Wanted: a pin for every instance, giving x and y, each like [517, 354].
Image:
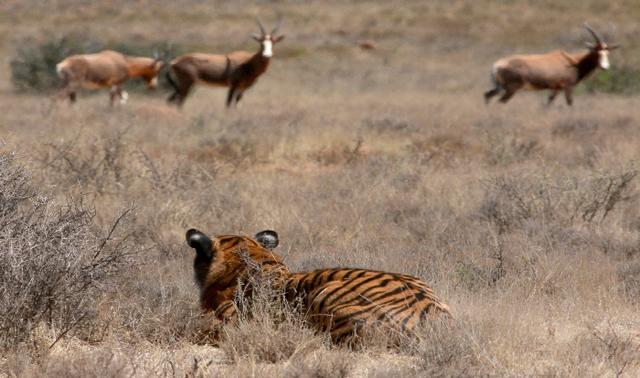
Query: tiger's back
[342, 301]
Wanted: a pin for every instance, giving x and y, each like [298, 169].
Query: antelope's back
[209, 69]
[97, 70]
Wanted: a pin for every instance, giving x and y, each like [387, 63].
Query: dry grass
[525, 219]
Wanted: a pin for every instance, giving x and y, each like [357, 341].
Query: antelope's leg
[182, 85]
[230, 95]
[124, 96]
[507, 96]
[238, 97]
[184, 92]
[172, 98]
[113, 92]
[510, 89]
[68, 90]
[490, 93]
[568, 95]
[552, 97]
[181, 92]
[69, 93]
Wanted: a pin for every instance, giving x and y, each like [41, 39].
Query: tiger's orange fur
[340, 301]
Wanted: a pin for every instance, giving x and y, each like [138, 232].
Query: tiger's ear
[267, 239]
[201, 243]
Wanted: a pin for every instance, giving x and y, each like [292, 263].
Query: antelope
[237, 70]
[557, 70]
[106, 69]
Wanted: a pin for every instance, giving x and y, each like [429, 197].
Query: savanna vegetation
[524, 218]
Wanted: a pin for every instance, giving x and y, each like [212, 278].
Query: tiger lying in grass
[340, 301]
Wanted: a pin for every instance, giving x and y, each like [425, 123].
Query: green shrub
[621, 80]
[34, 65]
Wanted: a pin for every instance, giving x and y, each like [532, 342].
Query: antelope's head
[600, 47]
[267, 40]
[151, 76]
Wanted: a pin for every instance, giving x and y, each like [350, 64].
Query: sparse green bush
[34, 65]
[621, 80]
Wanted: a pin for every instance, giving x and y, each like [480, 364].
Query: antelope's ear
[256, 37]
[268, 239]
[201, 243]
[278, 38]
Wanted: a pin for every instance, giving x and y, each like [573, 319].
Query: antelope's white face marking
[603, 60]
[267, 47]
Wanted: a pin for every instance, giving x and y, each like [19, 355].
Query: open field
[524, 219]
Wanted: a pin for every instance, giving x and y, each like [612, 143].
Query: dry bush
[511, 201]
[269, 329]
[504, 148]
[600, 351]
[94, 364]
[321, 364]
[629, 275]
[440, 347]
[55, 264]
[338, 155]
[574, 127]
[98, 165]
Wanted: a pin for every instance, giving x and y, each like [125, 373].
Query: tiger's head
[222, 260]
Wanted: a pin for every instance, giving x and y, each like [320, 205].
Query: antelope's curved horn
[275, 28]
[261, 27]
[593, 33]
[613, 29]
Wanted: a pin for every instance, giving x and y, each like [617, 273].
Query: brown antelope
[556, 70]
[106, 69]
[237, 70]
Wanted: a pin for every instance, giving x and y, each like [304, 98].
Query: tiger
[342, 302]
